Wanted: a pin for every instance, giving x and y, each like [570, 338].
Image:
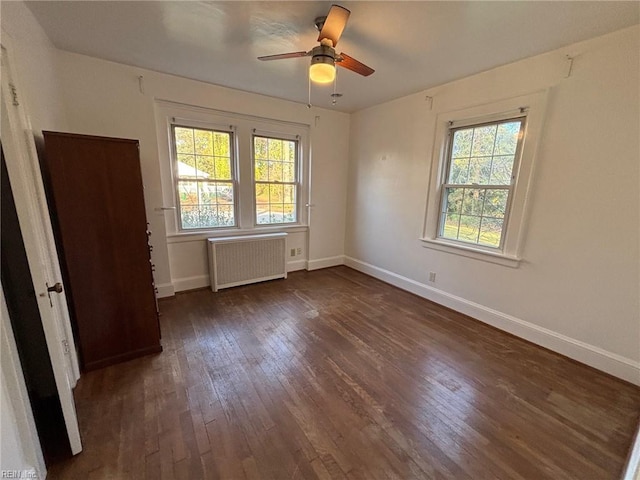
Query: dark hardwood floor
[333, 374]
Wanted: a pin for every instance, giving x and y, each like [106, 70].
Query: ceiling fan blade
[334, 24]
[284, 55]
[354, 65]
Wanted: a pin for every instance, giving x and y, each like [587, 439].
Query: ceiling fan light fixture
[323, 64]
[324, 72]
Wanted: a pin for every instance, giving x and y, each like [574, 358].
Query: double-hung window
[482, 169]
[482, 161]
[275, 162]
[205, 177]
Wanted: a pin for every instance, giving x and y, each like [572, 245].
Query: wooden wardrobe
[95, 195]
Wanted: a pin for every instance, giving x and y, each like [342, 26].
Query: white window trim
[243, 126]
[533, 106]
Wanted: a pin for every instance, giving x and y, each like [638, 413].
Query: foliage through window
[276, 180]
[479, 180]
[204, 177]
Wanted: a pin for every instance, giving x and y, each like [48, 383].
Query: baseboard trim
[296, 265]
[582, 352]
[325, 262]
[165, 290]
[191, 283]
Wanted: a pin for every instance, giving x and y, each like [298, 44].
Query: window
[480, 175]
[481, 171]
[276, 180]
[225, 173]
[204, 176]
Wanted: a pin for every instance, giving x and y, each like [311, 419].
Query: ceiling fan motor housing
[323, 54]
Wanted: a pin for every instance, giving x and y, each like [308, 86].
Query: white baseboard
[296, 265]
[591, 355]
[325, 262]
[165, 290]
[190, 283]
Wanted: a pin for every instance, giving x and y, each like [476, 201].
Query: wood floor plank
[332, 374]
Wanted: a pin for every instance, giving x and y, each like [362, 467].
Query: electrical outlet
[432, 276]
[299, 251]
[293, 252]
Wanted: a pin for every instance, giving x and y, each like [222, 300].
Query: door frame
[35, 224]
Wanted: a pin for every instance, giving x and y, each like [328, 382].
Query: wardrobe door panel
[97, 205]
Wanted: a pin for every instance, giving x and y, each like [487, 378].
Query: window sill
[200, 235]
[471, 252]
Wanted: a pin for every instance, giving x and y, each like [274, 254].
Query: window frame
[532, 107]
[297, 183]
[181, 123]
[242, 125]
[522, 117]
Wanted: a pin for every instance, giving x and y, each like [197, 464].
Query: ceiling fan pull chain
[309, 102]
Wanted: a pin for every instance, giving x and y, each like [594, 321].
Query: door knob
[55, 288]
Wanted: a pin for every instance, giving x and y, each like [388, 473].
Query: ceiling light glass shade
[322, 72]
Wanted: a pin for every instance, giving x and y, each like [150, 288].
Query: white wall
[576, 290]
[36, 67]
[103, 98]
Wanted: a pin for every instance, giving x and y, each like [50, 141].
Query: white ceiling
[411, 45]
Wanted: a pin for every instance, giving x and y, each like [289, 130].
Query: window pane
[501, 170]
[451, 222]
[288, 172]
[276, 192]
[472, 201]
[483, 140]
[262, 193]
[462, 143]
[289, 194]
[275, 149]
[262, 171]
[507, 138]
[205, 167]
[469, 228]
[184, 140]
[459, 171]
[186, 166]
[495, 203]
[221, 144]
[490, 232]
[275, 171]
[189, 216]
[226, 216]
[260, 148]
[222, 167]
[188, 193]
[203, 140]
[453, 200]
[479, 170]
[208, 216]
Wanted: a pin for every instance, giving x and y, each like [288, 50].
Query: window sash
[445, 185]
[178, 179]
[296, 184]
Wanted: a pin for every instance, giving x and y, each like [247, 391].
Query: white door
[26, 182]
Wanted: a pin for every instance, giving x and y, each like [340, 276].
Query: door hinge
[14, 94]
[65, 346]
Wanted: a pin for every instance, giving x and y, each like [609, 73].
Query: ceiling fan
[324, 57]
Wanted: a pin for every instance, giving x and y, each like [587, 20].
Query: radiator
[246, 259]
